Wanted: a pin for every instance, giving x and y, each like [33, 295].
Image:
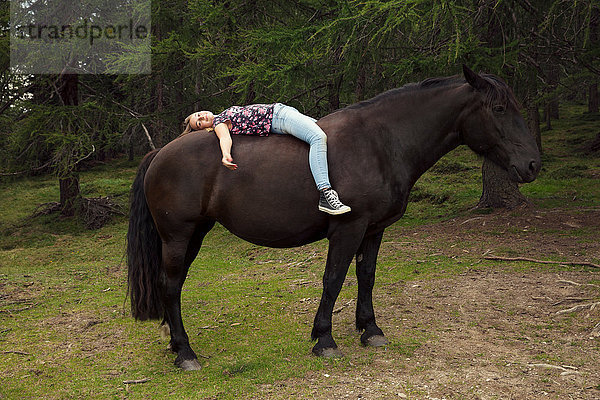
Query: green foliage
[58, 138]
[315, 52]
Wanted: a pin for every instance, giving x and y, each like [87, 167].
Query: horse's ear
[474, 79]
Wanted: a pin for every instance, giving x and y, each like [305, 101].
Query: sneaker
[330, 203]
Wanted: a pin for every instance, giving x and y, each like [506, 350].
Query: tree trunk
[533, 123]
[334, 94]
[199, 89]
[499, 191]
[553, 78]
[70, 195]
[159, 131]
[130, 149]
[69, 181]
[594, 38]
[547, 117]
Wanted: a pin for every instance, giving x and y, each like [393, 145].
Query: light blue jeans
[288, 120]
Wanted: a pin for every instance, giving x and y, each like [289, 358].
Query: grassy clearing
[65, 329]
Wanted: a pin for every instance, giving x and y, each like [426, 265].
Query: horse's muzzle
[527, 173]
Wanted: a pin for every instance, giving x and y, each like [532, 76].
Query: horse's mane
[498, 93]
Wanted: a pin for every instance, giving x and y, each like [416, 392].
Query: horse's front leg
[343, 243]
[176, 271]
[366, 261]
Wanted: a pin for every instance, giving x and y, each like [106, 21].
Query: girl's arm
[222, 132]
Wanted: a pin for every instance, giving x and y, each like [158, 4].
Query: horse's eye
[499, 109]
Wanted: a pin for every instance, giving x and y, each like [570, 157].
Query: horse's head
[493, 127]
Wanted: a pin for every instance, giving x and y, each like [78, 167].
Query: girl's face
[201, 120]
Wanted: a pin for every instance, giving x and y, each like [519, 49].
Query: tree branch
[584, 263]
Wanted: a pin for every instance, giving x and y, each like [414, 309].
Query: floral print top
[255, 119]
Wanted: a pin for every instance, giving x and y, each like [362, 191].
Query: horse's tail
[144, 252]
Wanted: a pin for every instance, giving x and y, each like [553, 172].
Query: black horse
[377, 150]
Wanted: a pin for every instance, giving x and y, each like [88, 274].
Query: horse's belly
[278, 228]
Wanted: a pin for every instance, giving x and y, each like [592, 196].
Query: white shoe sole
[342, 210]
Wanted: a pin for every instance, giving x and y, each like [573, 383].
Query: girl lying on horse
[262, 119]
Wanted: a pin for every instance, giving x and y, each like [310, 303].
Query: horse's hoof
[377, 341]
[190, 365]
[329, 352]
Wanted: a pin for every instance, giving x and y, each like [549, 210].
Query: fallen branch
[584, 263]
[575, 283]
[21, 353]
[566, 370]
[569, 282]
[16, 310]
[97, 211]
[571, 299]
[578, 308]
[133, 382]
[338, 310]
[596, 330]
[470, 220]
[46, 209]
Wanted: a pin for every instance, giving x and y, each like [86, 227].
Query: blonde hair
[187, 128]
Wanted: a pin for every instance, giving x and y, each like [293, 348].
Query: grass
[65, 329]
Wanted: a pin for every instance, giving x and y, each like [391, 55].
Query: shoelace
[333, 199]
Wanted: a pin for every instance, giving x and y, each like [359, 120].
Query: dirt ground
[497, 330]
[489, 333]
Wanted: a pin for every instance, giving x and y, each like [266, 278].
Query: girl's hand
[222, 132]
[228, 162]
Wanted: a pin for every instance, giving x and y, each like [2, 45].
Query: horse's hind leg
[366, 260]
[177, 258]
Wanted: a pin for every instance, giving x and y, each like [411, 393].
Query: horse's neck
[424, 127]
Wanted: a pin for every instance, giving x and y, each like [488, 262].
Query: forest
[316, 55]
